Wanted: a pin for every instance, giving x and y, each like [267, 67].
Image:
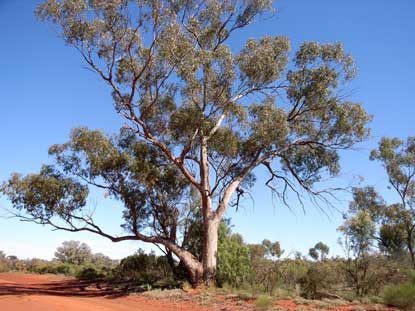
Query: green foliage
[293, 272]
[368, 275]
[5, 264]
[401, 296]
[397, 226]
[266, 266]
[370, 219]
[142, 268]
[74, 252]
[319, 251]
[89, 274]
[234, 266]
[398, 158]
[263, 302]
[359, 231]
[73, 258]
[46, 194]
[51, 267]
[319, 278]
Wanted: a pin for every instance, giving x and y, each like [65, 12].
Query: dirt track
[24, 292]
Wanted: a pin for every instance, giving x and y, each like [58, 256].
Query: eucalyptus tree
[359, 231]
[319, 251]
[398, 224]
[202, 114]
[74, 252]
[394, 223]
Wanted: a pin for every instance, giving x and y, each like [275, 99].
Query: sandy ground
[24, 292]
[27, 292]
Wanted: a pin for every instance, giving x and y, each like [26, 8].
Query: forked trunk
[190, 262]
[195, 269]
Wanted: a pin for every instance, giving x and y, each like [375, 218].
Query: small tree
[266, 265]
[199, 114]
[12, 258]
[74, 252]
[395, 222]
[359, 232]
[319, 251]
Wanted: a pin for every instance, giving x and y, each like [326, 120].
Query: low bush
[320, 277]
[263, 302]
[402, 295]
[50, 267]
[144, 268]
[89, 274]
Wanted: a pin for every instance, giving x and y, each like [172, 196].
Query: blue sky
[45, 91]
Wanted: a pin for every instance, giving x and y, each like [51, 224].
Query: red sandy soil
[27, 292]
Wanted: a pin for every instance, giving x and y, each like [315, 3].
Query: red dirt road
[25, 292]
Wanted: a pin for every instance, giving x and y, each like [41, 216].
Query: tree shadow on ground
[71, 288]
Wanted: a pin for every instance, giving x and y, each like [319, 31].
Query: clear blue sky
[45, 92]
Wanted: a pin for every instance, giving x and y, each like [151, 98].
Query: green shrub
[234, 266]
[65, 269]
[143, 268]
[402, 295]
[293, 271]
[88, 273]
[4, 266]
[263, 302]
[321, 276]
[51, 267]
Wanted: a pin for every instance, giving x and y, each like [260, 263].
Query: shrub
[143, 268]
[402, 295]
[263, 302]
[41, 266]
[320, 277]
[293, 271]
[369, 274]
[89, 273]
[4, 266]
[234, 266]
[65, 269]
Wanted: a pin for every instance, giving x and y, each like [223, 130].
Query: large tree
[201, 117]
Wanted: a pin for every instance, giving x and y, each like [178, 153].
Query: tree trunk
[191, 263]
[410, 241]
[210, 249]
[210, 221]
[195, 269]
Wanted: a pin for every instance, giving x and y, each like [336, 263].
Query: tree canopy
[74, 252]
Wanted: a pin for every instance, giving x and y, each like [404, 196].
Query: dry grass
[165, 294]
